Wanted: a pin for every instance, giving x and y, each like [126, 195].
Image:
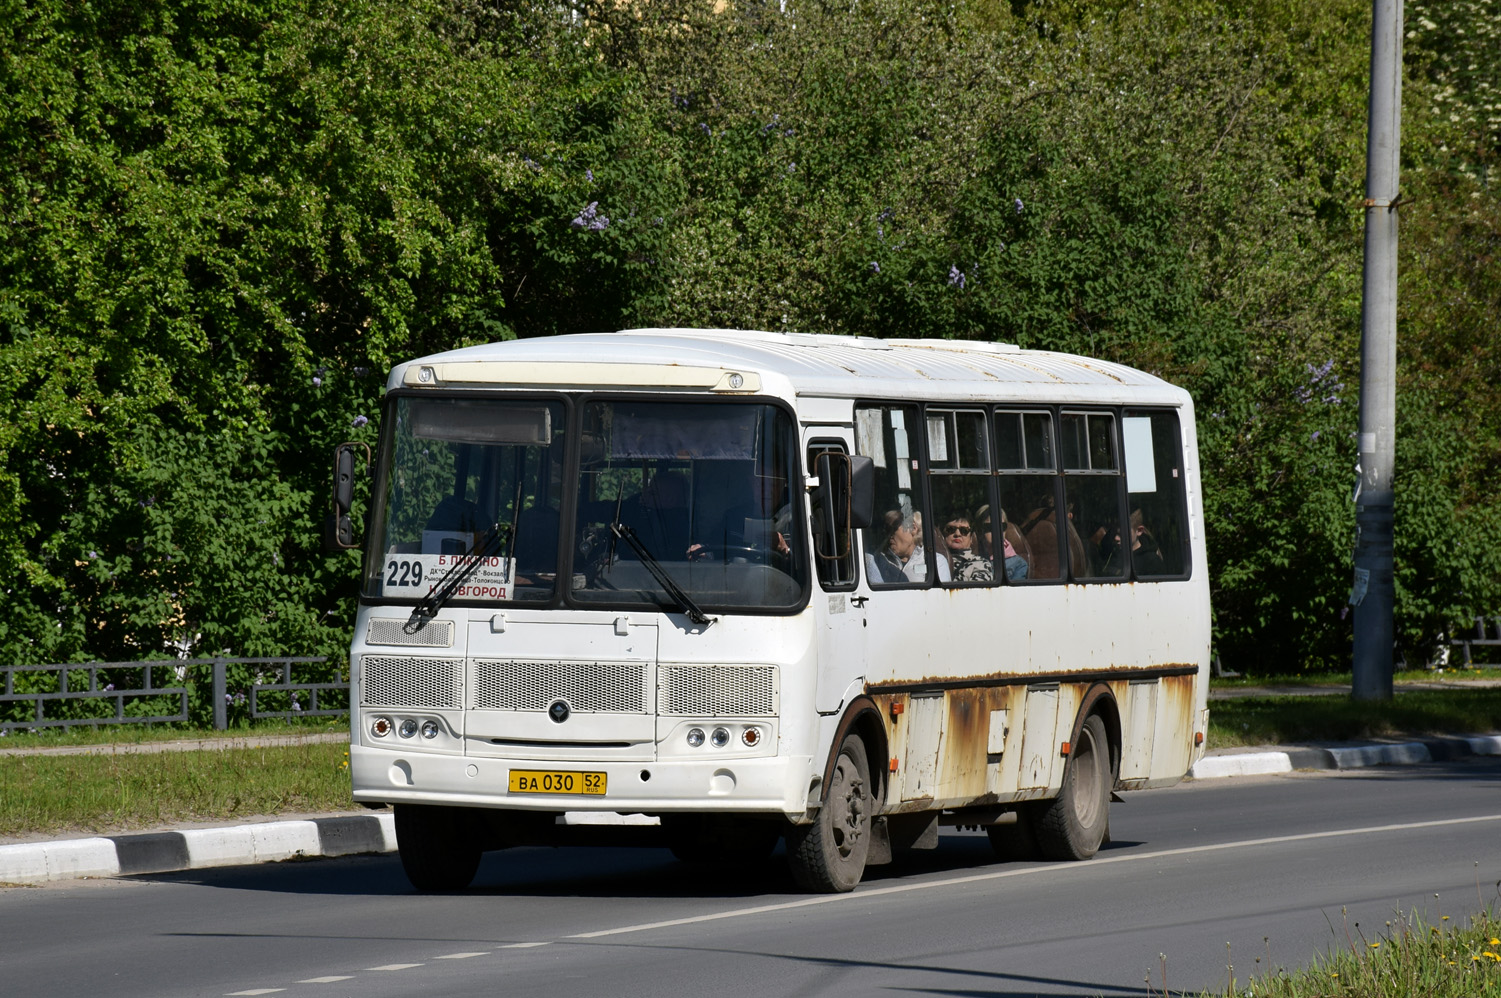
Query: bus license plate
[547, 781]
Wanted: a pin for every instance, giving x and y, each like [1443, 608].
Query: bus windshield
[694, 494]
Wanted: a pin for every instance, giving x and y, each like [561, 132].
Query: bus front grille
[401, 681]
[717, 690]
[591, 687]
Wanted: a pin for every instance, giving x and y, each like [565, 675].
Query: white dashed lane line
[865, 894]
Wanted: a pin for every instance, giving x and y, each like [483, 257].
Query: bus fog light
[380, 727]
[429, 729]
[720, 738]
[695, 737]
[408, 728]
[751, 737]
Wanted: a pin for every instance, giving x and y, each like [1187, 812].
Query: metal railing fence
[78, 694]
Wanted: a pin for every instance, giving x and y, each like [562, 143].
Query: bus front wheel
[439, 846]
[828, 855]
[1073, 826]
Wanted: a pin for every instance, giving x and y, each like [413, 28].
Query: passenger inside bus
[965, 563]
[1040, 528]
[890, 563]
[1014, 562]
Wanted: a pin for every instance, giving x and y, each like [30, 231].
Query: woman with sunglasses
[965, 565]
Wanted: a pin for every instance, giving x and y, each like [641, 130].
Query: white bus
[728, 587]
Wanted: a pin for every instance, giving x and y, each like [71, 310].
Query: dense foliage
[224, 218]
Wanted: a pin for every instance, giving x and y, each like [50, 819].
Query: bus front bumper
[760, 785]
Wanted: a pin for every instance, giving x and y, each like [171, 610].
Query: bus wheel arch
[829, 853]
[1073, 825]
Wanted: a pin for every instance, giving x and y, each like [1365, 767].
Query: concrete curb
[196, 848]
[1412, 753]
[348, 835]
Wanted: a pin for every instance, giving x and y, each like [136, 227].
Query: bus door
[839, 609]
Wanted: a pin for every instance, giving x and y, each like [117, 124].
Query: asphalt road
[1266, 865]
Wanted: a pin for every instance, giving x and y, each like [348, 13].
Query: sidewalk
[352, 834]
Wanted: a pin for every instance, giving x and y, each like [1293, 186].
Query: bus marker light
[1065, 749]
[380, 727]
[751, 737]
[720, 738]
[893, 764]
[1198, 738]
[897, 707]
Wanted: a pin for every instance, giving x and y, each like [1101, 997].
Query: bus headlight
[720, 738]
[380, 727]
[408, 728]
[429, 729]
[695, 737]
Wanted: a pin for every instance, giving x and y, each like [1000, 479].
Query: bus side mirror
[338, 528]
[862, 491]
[846, 495]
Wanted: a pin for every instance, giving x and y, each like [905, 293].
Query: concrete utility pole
[1374, 593]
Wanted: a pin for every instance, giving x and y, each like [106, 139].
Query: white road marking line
[395, 966]
[460, 956]
[1098, 861]
[327, 980]
[528, 945]
[258, 991]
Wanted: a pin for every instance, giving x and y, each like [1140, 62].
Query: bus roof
[805, 364]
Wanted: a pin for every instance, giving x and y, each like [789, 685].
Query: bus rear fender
[1099, 699]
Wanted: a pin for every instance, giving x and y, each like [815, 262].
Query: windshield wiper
[427, 607]
[625, 533]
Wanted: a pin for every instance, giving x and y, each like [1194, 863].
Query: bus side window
[1092, 492]
[893, 543]
[1155, 494]
[1026, 459]
[833, 561]
[959, 475]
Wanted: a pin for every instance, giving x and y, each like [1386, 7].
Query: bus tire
[1073, 825]
[439, 846]
[828, 855]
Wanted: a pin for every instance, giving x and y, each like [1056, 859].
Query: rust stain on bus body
[967, 772]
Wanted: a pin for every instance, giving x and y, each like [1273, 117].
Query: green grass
[1281, 720]
[66, 794]
[1401, 678]
[1408, 957]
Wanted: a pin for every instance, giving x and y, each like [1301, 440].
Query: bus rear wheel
[1073, 826]
[828, 856]
[439, 846]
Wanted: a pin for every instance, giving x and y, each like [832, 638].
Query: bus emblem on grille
[558, 711]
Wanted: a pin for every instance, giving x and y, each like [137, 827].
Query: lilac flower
[360, 372]
[956, 278]
[109, 688]
[360, 421]
[875, 266]
[704, 127]
[229, 698]
[317, 382]
[1019, 206]
[1315, 434]
[93, 554]
[791, 167]
[590, 220]
[589, 176]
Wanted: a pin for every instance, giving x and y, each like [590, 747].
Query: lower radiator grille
[717, 690]
[591, 687]
[404, 681]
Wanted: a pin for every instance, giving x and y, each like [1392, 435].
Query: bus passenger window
[959, 474]
[894, 551]
[1158, 529]
[1092, 491]
[1028, 476]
